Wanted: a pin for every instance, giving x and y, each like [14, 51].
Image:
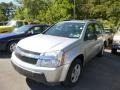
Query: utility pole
[74, 10]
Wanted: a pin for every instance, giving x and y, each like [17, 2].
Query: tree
[51, 11]
[58, 10]
[6, 11]
[29, 9]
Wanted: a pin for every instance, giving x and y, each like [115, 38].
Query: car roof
[32, 25]
[82, 21]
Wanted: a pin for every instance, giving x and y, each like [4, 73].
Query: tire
[106, 44]
[11, 47]
[73, 74]
[114, 51]
[101, 53]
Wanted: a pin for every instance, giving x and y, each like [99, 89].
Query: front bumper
[40, 74]
[35, 76]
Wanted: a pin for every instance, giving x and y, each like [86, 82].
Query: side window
[90, 32]
[97, 29]
[37, 29]
[26, 23]
[44, 28]
[19, 24]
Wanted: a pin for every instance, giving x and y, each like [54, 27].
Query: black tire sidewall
[101, 53]
[8, 47]
[68, 82]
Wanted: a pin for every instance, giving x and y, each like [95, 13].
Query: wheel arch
[81, 57]
[10, 41]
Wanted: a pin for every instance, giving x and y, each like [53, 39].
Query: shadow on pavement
[99, 74]
[39, 86]
[4, 54]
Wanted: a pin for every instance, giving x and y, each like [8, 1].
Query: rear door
[99, 40]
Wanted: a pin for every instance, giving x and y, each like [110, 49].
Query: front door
[90, 42]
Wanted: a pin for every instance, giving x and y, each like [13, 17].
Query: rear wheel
[101, 53]
[73, 73]
[106, 44]
[11, 47]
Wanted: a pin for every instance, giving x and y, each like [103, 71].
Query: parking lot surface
[99, 74]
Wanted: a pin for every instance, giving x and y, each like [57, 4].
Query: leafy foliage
[6, 11]
[51, 11]
[58, 11]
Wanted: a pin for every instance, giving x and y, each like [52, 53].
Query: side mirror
[91, 36]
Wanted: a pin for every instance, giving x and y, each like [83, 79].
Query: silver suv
[59, 54]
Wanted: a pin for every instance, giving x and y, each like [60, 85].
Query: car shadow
[4, 54]
[117, 54]
[99, 74]
[40, 86]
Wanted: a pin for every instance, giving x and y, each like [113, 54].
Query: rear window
[19, 24]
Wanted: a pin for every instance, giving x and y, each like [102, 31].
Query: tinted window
[37, 29]
[90, 29]
[26, 23]
[90, 32]
[22, 29]
[97, 29]
[44, 27]
[19, 24]
[66, 29]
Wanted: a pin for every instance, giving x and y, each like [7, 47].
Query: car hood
[45, 43]
[117, 36]
[6, 29]
[5, 26]
[7, 35]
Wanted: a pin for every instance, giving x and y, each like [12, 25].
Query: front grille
[26, 51]
[26, 59]
[22, 55]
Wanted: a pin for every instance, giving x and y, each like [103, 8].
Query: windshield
[15, 23]
[11, 23]
[66, 29]
[21, 29]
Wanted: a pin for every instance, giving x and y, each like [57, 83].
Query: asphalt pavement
[99, 74]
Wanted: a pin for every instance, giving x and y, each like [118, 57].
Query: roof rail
[68, 19]
[92, 19]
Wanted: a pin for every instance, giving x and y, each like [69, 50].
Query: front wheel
[11, 47]
[73, 73]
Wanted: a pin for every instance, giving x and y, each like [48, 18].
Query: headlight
[51, 59]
